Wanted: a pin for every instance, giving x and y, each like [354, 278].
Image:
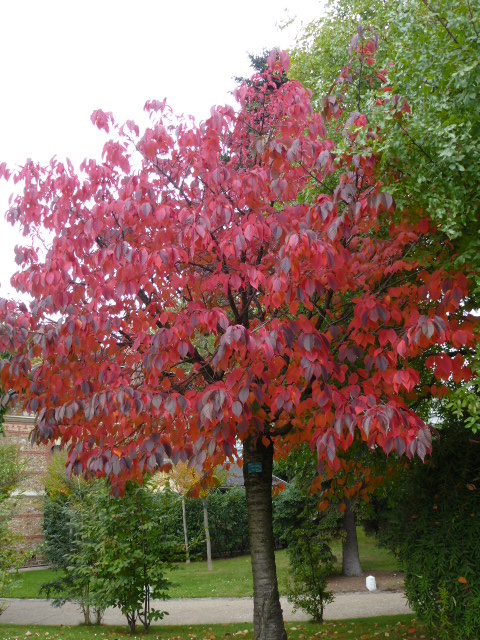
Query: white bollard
[371, 583]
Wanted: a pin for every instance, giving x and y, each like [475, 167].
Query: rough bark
[185, 532]
[351, 560]
[207, 535]
[257, 473]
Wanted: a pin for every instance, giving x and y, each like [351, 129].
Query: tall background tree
[246, 279]
[431, 155]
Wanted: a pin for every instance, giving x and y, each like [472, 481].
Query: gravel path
[210, 610]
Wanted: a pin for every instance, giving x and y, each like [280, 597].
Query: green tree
[133, 554]
[432, 155]
[344, 497]
[110, 551]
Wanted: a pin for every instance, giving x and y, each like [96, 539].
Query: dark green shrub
[69, 510]
[228, 521]
[433, 527]
[11, 554]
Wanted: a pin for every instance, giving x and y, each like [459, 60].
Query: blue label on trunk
[254, 467]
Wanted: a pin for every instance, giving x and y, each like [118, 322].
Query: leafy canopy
[245, 277]
[430, 49]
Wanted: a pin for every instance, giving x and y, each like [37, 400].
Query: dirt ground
[385, 582]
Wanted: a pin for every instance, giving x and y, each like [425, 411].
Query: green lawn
[230, 578]
[372, 557]
[392, 627]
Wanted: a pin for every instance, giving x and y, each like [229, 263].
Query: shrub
[308, 533]
[113, 551]
[68, 508]
[433, 527]
[11, 554]
[228, 521]
[133, 553]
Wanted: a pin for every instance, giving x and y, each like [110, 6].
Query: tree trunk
[132, 621]
[351, 560]
[185, 532]
[85, 606]
[257, 473]
[207, 535]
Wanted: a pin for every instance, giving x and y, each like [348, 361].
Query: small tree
[182, 477]
[308, 533]
[133, 555]
[188, 482]
[111, 551]
[217, 478]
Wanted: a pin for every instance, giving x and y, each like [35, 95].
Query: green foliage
[432, 156]
[11, 554]
[4, 397]
[227, 516]
[321, 50]
[308, 533]
[69, 509]
[228, 522]
[433, 528]
[464, 402]
[132, 552]
[112, 551]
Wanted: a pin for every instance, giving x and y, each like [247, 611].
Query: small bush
[113, 551]
[308, 532]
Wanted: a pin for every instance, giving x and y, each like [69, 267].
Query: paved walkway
[209, 610]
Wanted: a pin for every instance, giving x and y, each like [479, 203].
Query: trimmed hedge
[227, 517]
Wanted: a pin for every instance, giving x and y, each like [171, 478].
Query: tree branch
[233, 306]
[281, 431]
[471, 18]
[443, 22]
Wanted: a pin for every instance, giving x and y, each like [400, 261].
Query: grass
[372, 557]
[392, 627]
[230, 577]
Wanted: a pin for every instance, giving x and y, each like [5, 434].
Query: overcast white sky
[61, 59]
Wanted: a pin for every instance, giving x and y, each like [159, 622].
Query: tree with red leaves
[240, 281]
